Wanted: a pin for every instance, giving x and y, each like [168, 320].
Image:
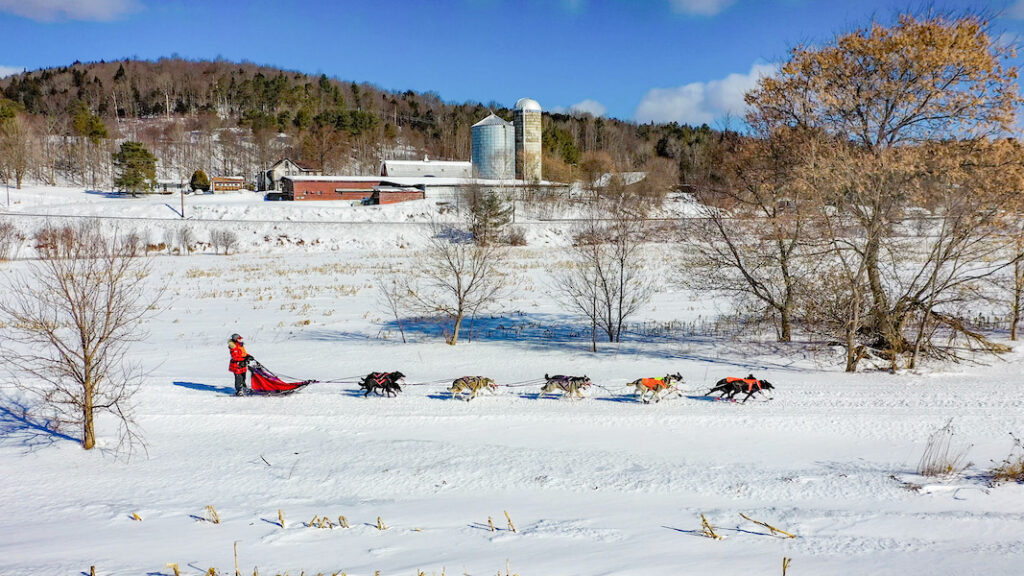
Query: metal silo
[494, 154]
[527, 121]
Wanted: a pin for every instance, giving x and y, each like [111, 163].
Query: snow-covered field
[600, 486]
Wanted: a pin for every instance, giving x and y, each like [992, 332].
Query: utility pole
[181, 192]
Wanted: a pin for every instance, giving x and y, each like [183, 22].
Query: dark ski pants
[240, 383]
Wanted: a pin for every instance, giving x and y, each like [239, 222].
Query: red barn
[369, 189]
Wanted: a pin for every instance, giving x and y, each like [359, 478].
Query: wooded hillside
[237, 118]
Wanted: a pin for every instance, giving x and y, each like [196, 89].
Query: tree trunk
[786, 310]
[785, 323]
[455, 332]
[1018, 296]
[852, 354]
[593, 326]
[88, 429]
[884, 322]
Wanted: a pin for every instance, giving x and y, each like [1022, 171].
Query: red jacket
[238, 354]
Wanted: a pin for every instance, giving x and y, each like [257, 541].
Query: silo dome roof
[492, 120]
[528, 104]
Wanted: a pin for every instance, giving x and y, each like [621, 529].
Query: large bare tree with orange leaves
[914, 117]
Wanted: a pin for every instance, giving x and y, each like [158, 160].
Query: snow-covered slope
[605, 485]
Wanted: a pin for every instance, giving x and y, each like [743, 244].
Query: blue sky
[644, 60]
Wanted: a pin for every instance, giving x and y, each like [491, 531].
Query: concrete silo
[494, 155]
[527, 120]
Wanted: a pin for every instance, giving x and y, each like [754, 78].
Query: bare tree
[578, 282]
[457, 277]
[751, 240]
[915, 133]
[607, 281]
[15, 150]
[11, 238]
[223, 239]
[933, 261]
[392, 296]
[186, 239]
[70, 322]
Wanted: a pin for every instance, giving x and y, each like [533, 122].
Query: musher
[239, 363]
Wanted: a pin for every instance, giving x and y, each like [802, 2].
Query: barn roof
[302, 167]
[427, 168]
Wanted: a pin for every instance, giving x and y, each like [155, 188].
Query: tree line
[238, 118]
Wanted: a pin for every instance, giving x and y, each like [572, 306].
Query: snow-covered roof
[493, 120]
[435, 168]
[293, 162]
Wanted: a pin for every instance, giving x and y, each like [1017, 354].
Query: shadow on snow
[544, 331]
[17, 423]
[229, 390]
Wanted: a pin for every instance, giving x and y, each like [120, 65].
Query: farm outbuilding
[270, 179]
[226, 183]
[327, 187]
[395, 194]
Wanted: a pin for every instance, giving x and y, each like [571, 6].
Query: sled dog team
[572, 387]
[644, 389]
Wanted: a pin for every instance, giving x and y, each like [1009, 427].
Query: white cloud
[53, 10]
[588, 106]
[702, 7]
[701, 102]
[6, 71]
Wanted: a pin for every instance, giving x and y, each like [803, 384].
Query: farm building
[366, 189]
[226, 183]
[393, 194]
[171, 186]
[327, 187]
[426, 168]
[270, 179]
[392, 189]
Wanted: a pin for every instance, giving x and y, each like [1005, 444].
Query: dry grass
[212, 515]
[941, 458]
[1012, 467]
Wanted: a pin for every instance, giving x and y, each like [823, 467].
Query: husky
[571, 386]
[657, 388]
[472, 385]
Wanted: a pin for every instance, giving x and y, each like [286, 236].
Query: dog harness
[652, 383]
[750, 382]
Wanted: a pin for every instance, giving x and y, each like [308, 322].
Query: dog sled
[263, 381]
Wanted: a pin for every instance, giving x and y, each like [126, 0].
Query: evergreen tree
[490, 214]
[135, 166]
[89, 125]
[199, 181]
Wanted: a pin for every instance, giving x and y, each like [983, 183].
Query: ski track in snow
[600, 486]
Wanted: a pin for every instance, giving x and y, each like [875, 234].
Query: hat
[236, 337]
